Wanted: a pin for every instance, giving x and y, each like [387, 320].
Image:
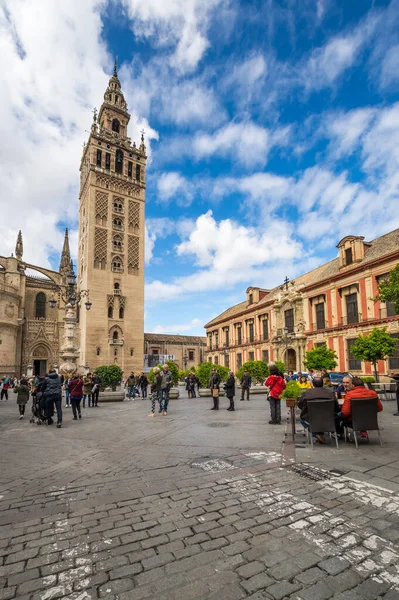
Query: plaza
[197, 504]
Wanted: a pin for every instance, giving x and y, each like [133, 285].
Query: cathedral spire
[19, 246]
[65, 256]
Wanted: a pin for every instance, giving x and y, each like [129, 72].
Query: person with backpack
[276, 384]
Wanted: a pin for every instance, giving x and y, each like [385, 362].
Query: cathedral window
[121, 312]
[130, 169]
[138, 172]
[99, 158]
[119, 161]
[40, 306]
[110, 312]
[115, 336]
[107, 160]
[115, 125]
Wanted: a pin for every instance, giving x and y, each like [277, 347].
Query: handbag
[215, 393]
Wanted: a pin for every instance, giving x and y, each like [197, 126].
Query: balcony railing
[319, 326]
[118, 210]
[113, 342]
[117, 226]
[352, 319]
[117, 269]
[117, 292]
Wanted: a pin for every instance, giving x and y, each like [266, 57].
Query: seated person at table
[355, 388]
[304, 383]
[327, 385]
[315, 393]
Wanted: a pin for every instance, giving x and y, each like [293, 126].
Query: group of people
[136, 384]
[7, 383]
[192, 383]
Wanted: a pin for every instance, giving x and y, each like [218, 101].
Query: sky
[272, 130]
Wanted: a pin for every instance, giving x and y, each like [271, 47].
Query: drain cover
[219, 425]
[310, 472]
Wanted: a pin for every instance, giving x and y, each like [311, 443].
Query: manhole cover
[312, 473]
[219, 425]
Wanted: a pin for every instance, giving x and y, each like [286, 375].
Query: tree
[378, 345]
[181, 375]
[111, 376]
[203, 373]
[256, 368]
[320, 357]
[388, 290]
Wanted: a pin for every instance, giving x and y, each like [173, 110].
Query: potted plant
[291, 393]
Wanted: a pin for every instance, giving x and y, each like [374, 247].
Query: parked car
[336, 377]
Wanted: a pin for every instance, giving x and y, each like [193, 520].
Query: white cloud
[191, 102]
[174, 186]
[346, 129]
[180, 328]
[155, 229]
[389, 69]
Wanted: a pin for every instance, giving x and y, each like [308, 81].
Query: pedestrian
[214, 384]
[276, 384]
[76, 394]
[4, 388]
[95, 390]
[167, 382]
[23, 391]
[143, 383]
[193, 381]
[87, 385]
[131, 386]
[52, 394]
[273, 365]
[66, 388]
[155, 390]
[246, 382]
[230, 389]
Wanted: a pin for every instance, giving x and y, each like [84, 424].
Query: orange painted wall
[363, 297]
[329, 308]
[341, 353]
[377, 305]
[339, 307]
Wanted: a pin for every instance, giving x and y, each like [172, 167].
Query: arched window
[115, 125]
[119, 161]
[121, 312]
[110, 312]
[115, 335]
[116, 286]
[40, 309]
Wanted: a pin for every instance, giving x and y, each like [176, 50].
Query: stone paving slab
[115, 507]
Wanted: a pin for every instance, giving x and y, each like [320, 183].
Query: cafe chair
[364, 417]
[322, 418]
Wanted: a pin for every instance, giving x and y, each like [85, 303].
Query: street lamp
[185, 359]
[68, 293]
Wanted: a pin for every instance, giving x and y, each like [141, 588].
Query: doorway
[39, 367]
[291, 360]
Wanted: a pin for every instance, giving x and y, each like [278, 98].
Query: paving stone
[115, 587]
[282, 589]
[251, 569]
[126, 571]
[257, 582]
[310, 576]
[284, 570]
[334, 565]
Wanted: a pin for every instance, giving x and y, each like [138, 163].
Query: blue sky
[272, 129]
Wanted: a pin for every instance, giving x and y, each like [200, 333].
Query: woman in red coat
[75, 387]
[276, 384]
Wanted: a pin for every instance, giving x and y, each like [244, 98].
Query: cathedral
[34, 324]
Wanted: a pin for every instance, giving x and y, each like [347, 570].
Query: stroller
[38, 408]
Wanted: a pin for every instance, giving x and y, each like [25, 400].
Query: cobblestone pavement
[193, 505]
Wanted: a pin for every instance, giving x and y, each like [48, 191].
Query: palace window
[130, 169]
[320, 316]
[353, 363]
[393, 361]
[251, 332]
[239, 360]
[115, 124]
[351, 308]
[265, 356]
[348, 256]
[40, 306]
[138, 172]
[107, 160]
[289, 320]
[191, 355]
[216, 360]
[239, 336]
[265, 329]
[216, 340]
[251, 356]
[227, 338]
[119, 161]
[227, 360]
[99, 158]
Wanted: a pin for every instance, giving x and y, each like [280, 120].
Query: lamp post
[72, 298]
[185, 360]
[285, 339]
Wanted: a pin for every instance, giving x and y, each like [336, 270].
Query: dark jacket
[156, 383]
[75, 387]
[167, 380]
[315, 394]
[23, 392]
[214, 381]
[229, 386]
[52, 386]
[246, 381]
[143, 381]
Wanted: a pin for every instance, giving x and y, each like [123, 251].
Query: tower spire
[19, 246]
[116, 66]
[65, 255]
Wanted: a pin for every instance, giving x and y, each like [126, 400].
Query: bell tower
[111, 238]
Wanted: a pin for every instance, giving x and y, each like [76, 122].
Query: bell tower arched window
[110, 312]
[115, 335]
[40, 306]
[119, 161]
[116, 125]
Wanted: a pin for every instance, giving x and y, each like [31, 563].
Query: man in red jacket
[355, 389]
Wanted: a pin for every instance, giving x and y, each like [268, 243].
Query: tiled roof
[158, 338]
[381, 246]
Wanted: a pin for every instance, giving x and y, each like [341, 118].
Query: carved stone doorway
[39, 367]
[291, 360]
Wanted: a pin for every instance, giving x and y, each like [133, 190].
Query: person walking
[276, 384]
[230, 389]
[52, 394]
[246, 382]
[23, 391]
[143, 383]
[66, 388]
[155, 390]
[131, 386]
[214, 384]
[87, 385]
[167, 382]
[76, 394]
[95, 390]
[4, 388]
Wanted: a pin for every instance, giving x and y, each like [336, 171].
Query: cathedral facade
[110, 263]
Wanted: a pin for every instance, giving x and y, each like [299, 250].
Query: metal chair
[322, 418]
[364, 417]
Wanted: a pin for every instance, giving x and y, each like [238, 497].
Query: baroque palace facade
[330, 305]
[110, 262]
